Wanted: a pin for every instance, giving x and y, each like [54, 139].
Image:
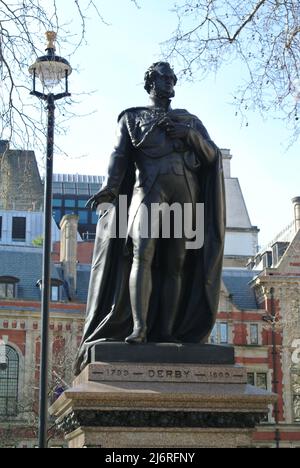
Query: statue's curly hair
[151, 72]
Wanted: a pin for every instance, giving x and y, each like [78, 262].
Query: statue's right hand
[104, 196]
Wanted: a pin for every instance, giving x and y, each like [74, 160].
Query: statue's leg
[140, 284]
[174, 262]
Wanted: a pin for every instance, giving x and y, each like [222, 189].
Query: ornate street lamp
[51, 70]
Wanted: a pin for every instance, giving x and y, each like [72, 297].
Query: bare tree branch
[262, 37]
[22, 27]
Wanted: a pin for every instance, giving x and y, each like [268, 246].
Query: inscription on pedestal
[102, 372]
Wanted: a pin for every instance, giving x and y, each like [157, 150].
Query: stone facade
[20, 332]
[199, 406]
[21, 187]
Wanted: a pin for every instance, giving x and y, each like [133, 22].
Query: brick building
[258, 313]
[20, 276]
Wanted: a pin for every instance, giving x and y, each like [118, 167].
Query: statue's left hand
[104, 196]
[174, 129]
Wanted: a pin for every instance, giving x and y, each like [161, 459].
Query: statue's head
[160, 80]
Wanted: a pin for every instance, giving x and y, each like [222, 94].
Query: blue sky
[112, 64]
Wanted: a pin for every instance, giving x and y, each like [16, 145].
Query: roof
[237, 213]
[78, 178]
[26, 265]
[83, 279]
[237, 282]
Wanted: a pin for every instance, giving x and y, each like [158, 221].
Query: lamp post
[51, 70]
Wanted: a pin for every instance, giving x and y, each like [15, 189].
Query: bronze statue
[149, 288]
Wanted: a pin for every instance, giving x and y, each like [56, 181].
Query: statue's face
[163, 83]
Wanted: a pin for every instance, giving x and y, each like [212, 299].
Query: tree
[22, 26]
[263, 36]
[24, 425]
[38, 242]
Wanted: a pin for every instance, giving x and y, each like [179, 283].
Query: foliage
[38, 242]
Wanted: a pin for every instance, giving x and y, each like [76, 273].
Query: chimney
[227, 157]
[4, 145]
[296, 202]
[68, 251]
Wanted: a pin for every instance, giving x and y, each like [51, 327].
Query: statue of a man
[146, 287]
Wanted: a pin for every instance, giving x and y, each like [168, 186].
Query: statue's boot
[138, 336]
[140, 286]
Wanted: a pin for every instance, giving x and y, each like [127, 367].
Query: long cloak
[109, 316]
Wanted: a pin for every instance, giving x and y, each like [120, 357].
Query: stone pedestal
[138, 404]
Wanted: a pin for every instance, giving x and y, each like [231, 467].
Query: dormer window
[56, 289]
[55, 293]
[8, 287]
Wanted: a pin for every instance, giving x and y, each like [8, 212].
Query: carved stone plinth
[152, 405]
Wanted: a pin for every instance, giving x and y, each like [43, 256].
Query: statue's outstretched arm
[116, 170]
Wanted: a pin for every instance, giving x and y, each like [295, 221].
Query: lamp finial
[51, 38]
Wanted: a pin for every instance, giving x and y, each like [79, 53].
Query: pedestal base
[116, 438]
[152, 405]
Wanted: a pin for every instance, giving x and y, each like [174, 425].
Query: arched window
[9, 382]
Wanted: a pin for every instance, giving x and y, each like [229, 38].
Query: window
[69, 203]
[8, 287]
[254, 334]
[57, 187]
[83, 217]
[55, 296]
[213, 336]
[70, 188]
[7, 291]
[95, 217]
[220, 334]
[251, 378]
[83, 189]
[94, 188]
[82, 203]
[223, 333]
[259, 379]
[55, 291]
[19, 229]
[262, 381]
[57, 202]
[9, 381]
